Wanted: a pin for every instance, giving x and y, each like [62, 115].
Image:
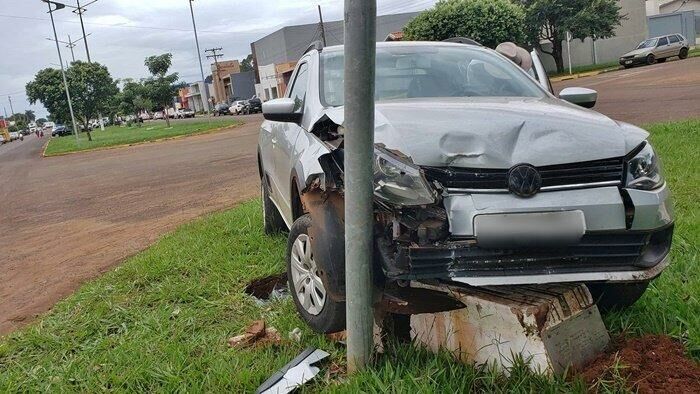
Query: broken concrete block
[550, 326]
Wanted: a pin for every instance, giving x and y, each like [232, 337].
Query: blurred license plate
[529, 229]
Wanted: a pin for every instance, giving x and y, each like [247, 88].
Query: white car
[238, 107]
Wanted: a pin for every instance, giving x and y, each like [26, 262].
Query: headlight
[398, 182]
[644, 170]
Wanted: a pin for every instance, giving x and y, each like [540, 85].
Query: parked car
[254, 105]
[238, 107]
[60, 130]
[145, 116]
[183, 113]
[481, 177]
[158, 116]
[221, 109]
[656, 49]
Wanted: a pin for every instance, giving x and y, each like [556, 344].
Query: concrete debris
[256, 334]
[296, 373]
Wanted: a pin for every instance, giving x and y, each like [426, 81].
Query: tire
[651, 59]
[683, 53]
[616, 296]
[273, 222]
[309, 293]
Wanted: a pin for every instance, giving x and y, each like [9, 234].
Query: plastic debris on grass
[295, 373]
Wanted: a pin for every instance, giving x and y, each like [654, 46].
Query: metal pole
[12, 109]
[63, 72]
[82, 26]
[71, 46]
[360, 53]
[323, 29]
[199, 56]
[568, 49]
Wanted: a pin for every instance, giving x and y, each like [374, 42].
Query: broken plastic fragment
[293, 375]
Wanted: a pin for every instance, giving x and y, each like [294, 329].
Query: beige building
[220, 72]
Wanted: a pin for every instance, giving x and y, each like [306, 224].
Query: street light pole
[79, 10]
[60, 61]
[199, 57]
[12, 109]
[360, 53]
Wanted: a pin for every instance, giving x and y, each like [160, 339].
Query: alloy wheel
[308, 286]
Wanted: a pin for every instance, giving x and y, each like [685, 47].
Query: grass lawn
[160, 321]
[149, 131]
[583, 69]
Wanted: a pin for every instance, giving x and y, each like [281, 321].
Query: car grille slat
[561, 175]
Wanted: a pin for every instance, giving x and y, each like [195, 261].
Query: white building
[267, 89]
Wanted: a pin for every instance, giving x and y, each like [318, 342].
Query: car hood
[636, 52]
[497, 132]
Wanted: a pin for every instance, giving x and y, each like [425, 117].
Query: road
[640, 95]
[65, 220]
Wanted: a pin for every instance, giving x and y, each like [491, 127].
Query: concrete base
[551, 327]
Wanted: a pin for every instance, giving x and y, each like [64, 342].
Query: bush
[489, 22]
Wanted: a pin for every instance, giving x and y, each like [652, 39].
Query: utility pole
[80, 10]
[323, 29]
[360, 53]
[60, 61]
[199, 57]
[11, 108]
[214, 55]
[70, 44]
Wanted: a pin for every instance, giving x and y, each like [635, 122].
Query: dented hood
[497, 132]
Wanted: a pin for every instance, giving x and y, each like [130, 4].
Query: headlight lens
[398, 182]
[644, 170]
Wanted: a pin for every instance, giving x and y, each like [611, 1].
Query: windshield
[431, 71]
[650, 43]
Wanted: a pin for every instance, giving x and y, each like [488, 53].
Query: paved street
[76, 216]
[667, 91]
[67, 219]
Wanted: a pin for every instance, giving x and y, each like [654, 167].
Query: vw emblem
[524, 180]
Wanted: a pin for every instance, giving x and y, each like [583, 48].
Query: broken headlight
[400, 183]
[644, 170]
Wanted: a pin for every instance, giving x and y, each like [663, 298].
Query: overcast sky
[125, 32]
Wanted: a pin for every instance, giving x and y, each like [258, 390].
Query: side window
[674, 39]
[663, 41]
[298, 90]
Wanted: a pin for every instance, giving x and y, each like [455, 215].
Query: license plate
[529, 229]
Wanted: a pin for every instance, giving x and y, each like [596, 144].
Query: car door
[675, 45]
[662, 48]
[284, 137]
[539, 72]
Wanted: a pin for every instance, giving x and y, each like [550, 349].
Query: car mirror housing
[281, 110]
[580, 96]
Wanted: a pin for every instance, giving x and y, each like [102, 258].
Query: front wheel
[651, 59]
[311, 296]
[683, 53]
[616, 296]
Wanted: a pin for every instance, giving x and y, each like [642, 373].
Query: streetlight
[199, 56]
[60, 6]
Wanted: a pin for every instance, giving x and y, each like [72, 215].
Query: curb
[103, 148]
[585, 74]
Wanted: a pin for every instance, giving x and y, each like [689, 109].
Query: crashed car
[482, 177]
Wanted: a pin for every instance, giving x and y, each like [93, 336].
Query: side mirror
[580, 96]
[281, 110]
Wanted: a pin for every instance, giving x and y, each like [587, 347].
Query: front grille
[609, 252]
[607, 170]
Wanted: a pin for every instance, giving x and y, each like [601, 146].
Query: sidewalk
[584, 74]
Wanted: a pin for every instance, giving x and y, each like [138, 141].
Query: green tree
[489, 22]
[21, 121]
[30, 115]
[248, 64]
[549, 20]
[161, 86]
[91, 86]
[133, 98]
[40, 122]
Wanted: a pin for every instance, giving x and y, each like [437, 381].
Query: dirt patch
[649, 364]
[269, 287]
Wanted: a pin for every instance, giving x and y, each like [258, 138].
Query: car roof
[432, 44]
[665, 35]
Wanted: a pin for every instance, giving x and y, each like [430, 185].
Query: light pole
[70, 44]
[199, 57]
[60, 60]
[360, 53]
[79, 10]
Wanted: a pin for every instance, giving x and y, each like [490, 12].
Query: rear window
[673, 39]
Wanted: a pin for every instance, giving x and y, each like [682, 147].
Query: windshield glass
[650, 43]
[431, 71]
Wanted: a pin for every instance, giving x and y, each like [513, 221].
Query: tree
[247, 64]
[91, 86]
[21, 121]
[489, 22]
[30, 115]
[133, 98]
[40, 122]
[161, 86]
[549, 20]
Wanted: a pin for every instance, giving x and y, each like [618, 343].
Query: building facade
[242, 85]
[220, 72]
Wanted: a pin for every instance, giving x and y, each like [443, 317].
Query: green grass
[694, 52]
[150, 131]
[160, 321]
[583, 69]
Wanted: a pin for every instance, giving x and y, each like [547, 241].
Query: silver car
[656, 49]
[482, 176]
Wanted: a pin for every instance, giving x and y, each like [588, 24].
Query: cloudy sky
[125, 32]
